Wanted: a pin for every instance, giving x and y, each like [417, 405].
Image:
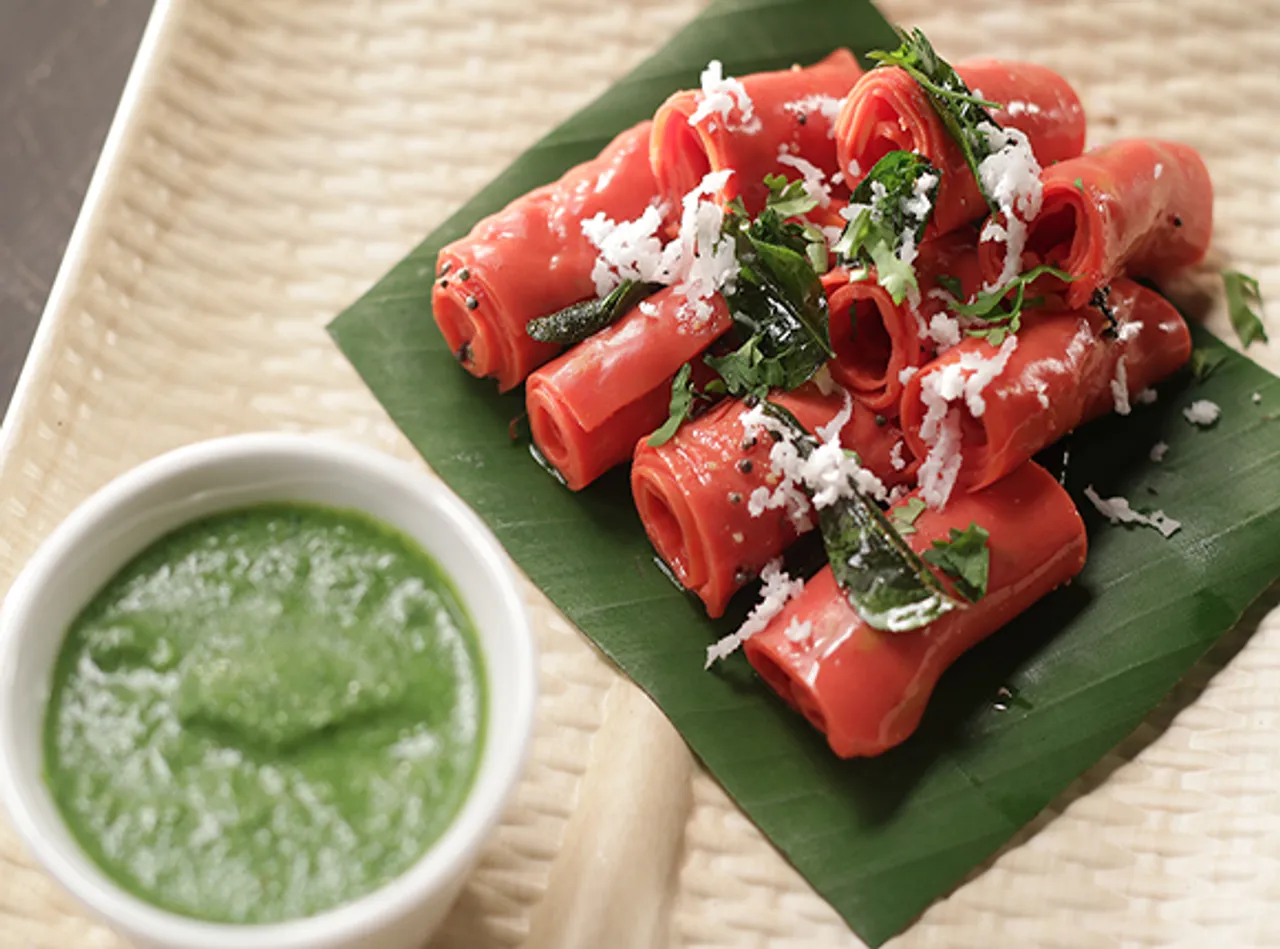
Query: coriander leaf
[681, 406]
[1079, 183]
[575, 323]
[778, 305]
[951, 284]
[747, 371]
[904, 516]
[1243, 295]
[788, 198]
[990, 307]
[1205, 362]
[894, 202]
[883, 579]
[962, 113]
[966, 558]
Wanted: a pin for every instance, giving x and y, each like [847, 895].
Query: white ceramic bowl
[87, 549]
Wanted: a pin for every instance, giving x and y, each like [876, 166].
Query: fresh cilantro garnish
[575, 323]
[777, 301]
[683, 398]
[904, 516]
[894, 202]
[965, 558]
[1079, 183]
[1243, 295]
[788, 198]
[1000, 315]
[962, 113]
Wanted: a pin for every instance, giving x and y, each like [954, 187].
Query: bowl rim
[445, 860]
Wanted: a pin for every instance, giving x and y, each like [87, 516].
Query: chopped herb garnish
[777, 301]
[961, 112]
[1079, 183]
[895, 202]
[884, 580]
[965, 558]
[1205, 362]
[1243, 296]
[682, 394]
[575, 323]
[788, 198]
[1000, 317]
[903, 517]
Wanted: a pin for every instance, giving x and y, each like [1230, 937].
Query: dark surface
[63, 64]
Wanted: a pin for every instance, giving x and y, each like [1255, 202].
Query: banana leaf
[879, 839]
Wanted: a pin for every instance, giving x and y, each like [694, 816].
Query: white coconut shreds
[826, 106]
[720, 95]
[1119, 511]
[1202, 412]
[1257, 398]
[777, 590]
[628, 250]
[701, 258]
[1120, 389]
[1147, 396]
[941, 466]
[831, 431]
[1158, 171]
[1128, 330]
[895, 456]
[828, 475]
[964, 380]
[944, 330]
[1010, 175]
[905, 374]
[1158, 451]
[1017, 107]
[798, 632]
[814, 180]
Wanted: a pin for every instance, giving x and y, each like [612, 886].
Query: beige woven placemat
[281, 154]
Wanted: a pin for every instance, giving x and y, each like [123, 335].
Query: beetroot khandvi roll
[1135, 207]
[766, 123]
[874, 339]
[588, 406]
[693, 493]
[887, 110]
[532, 259]
[1065, 369]
[866, 689]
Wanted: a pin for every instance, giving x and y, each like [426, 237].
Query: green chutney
[267, 713]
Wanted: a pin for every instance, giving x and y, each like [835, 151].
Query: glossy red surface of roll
[866, 689]
[1136, 207]
[887, 110]
[1057, 378]
[532, 259]
[785, 104]
[588, 406]
[875, 339]
[692, 493]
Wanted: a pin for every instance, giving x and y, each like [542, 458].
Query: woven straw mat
[274, 158]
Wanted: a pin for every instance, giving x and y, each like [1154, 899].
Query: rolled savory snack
[866, 689]
[887, 110]
[1136, 207]
[761, 124]
[693, 494]
[589, 406]
[1062, 370]
[874, 339]
[532, 259]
